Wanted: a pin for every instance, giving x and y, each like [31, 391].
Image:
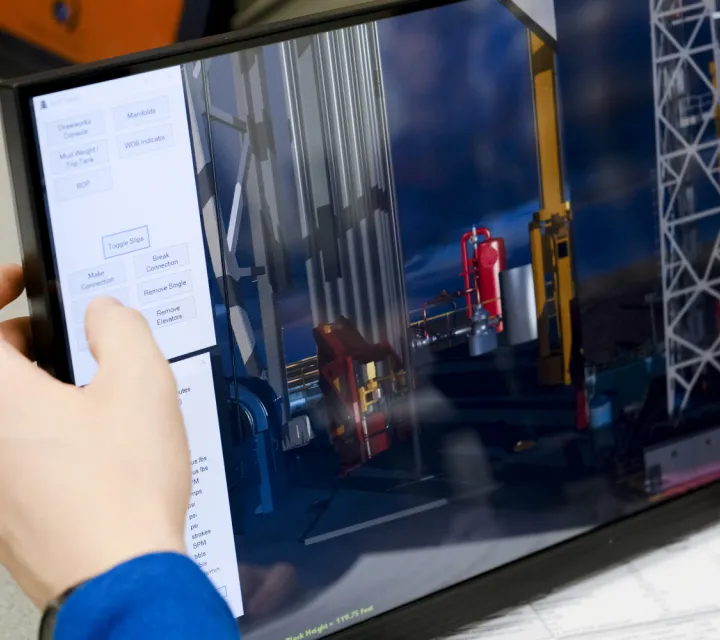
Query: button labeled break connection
[171, 313]
[160, 260]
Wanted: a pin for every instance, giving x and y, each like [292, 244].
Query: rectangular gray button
[76, 128]
[105, 276]
[154, 262]
[133, 144]
[167, 286]
[171, 313]
[86, 184]
[123, 242]
[140, 113]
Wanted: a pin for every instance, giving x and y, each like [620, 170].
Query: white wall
[9, 248]
[18, 618]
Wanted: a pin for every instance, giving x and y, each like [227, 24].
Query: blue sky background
[462, 136]
[463, 140]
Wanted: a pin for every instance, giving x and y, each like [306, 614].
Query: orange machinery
[79, 31]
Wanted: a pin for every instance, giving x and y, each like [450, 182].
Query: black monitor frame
[434, 616]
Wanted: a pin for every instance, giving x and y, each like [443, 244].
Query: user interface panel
[404, 355]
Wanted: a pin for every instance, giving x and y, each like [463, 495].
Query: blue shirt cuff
[162, 595]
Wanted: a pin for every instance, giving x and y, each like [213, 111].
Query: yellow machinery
[550, 241]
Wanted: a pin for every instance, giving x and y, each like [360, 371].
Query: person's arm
[163, 595]
[95, 486]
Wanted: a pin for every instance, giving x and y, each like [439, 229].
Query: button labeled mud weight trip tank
[171, 313]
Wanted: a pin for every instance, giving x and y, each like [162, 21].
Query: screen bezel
[443, 612]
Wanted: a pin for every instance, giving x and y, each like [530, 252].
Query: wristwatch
[49, 617]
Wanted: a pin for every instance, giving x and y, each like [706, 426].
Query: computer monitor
[424, 321]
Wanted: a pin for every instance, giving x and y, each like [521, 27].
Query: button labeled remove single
[171, 313]
[118, 244]
[90, 280]
[172, 284]
[160, 260]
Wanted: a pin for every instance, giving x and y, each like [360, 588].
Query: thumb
[122, 344]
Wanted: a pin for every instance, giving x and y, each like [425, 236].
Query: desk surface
[668, 594]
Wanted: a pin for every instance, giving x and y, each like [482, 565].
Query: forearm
[156, 596]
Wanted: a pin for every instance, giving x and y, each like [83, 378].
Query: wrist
[88, 563]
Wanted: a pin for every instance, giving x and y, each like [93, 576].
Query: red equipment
[349, 382]
[484, 265]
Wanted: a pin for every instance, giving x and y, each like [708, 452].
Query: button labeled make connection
[165, 287]
[171, 313]
[87, 281]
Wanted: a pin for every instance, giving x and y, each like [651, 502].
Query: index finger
[123, 345]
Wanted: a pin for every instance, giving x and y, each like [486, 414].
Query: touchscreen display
[416, 333]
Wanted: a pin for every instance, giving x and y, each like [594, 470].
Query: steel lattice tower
[684, 56]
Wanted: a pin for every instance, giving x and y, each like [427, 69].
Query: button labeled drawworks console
[172, 284]
[87, 281]
[156, 262]
[171, 313]
[76, 128]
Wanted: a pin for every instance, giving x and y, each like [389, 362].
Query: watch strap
[49, 616]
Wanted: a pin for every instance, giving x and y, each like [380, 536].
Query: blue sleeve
[163, 595]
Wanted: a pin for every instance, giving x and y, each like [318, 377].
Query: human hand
[91, 477]
[15, 331]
